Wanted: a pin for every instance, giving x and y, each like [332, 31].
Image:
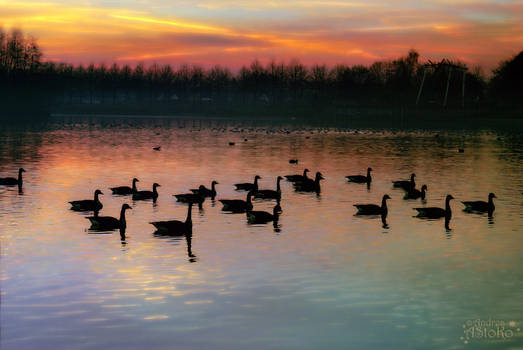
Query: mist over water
[324, 276]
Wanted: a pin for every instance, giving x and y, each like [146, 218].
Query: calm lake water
[323, 277]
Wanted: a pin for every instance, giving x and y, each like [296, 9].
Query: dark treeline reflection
[26, 77]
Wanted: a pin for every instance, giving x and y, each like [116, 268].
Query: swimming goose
[88, 204]
[295, 178]
[310, 185]
[360, 179]
[373, 209]
[481, 206]
[141, 195]
[205, 192]
[434, 212]
[108, 223]
[237, 205]
[414, 193]
[11, 181]
[406, 185]
[249, 186]
[175, 227]
[263, 217]
[125, 190]
[270, 194]
[190, 198]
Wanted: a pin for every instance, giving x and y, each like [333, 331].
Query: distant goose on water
[296, 178]
[481, 206]
[270, 194]
[310, 185]
[142, 195]
[11, 181]
[88, 204]
[414, 193]
[360, 179]
[126, 190]
[249, 186]
[205, 192]
[263, 217]
[406, 185]
[237, 205]
[175, 227]
[436, 213]
[190, 198]
[373, 209]
[108, 223]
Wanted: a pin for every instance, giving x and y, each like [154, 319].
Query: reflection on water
[319, 276]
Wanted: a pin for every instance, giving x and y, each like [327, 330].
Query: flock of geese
[301, 183]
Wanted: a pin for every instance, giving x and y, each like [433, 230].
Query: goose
[11, 181]
[237, 205]
[293, 161]
[175, 227]
[414, 193]
[296, 178]
[434, 212]
[310, 185]
[108, 223]
[141, 195]
[373, 209]
[125, 190]
[406, 185]
[190, 198]
[205, 192]
[263, 217]
[270, 194]
[249, 186]
[88, 204]
[360, 179]
[481, 206]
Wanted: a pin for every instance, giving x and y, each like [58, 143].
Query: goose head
[126, 206]
[257, 177]
[279, 178]
[319, 176]
[449, 197]
[385, 197]
[214, 183]
[423, 188]
[21, 170]
[97, 192]
[491, 195]
[156, 185]
[412, 176]
[136, 180]
[369, 170]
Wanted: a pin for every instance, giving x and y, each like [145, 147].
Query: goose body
[88, 204]
[108, 223]
[263, 217]
[190, 198]
[175, 227]
[435, 212]
[125, 190]
[406, 185]
[143, 195]
[248, 186]
[11, 181]
[296, 178]
[414, 193]
[481, 206]
[373, 209]
[309, 185]
[237, 205]
[270, 194]
[205, 192]
[360, 179]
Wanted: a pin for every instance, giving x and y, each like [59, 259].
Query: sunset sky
[232, 33]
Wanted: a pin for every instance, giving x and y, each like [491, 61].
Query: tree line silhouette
[26, 79]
